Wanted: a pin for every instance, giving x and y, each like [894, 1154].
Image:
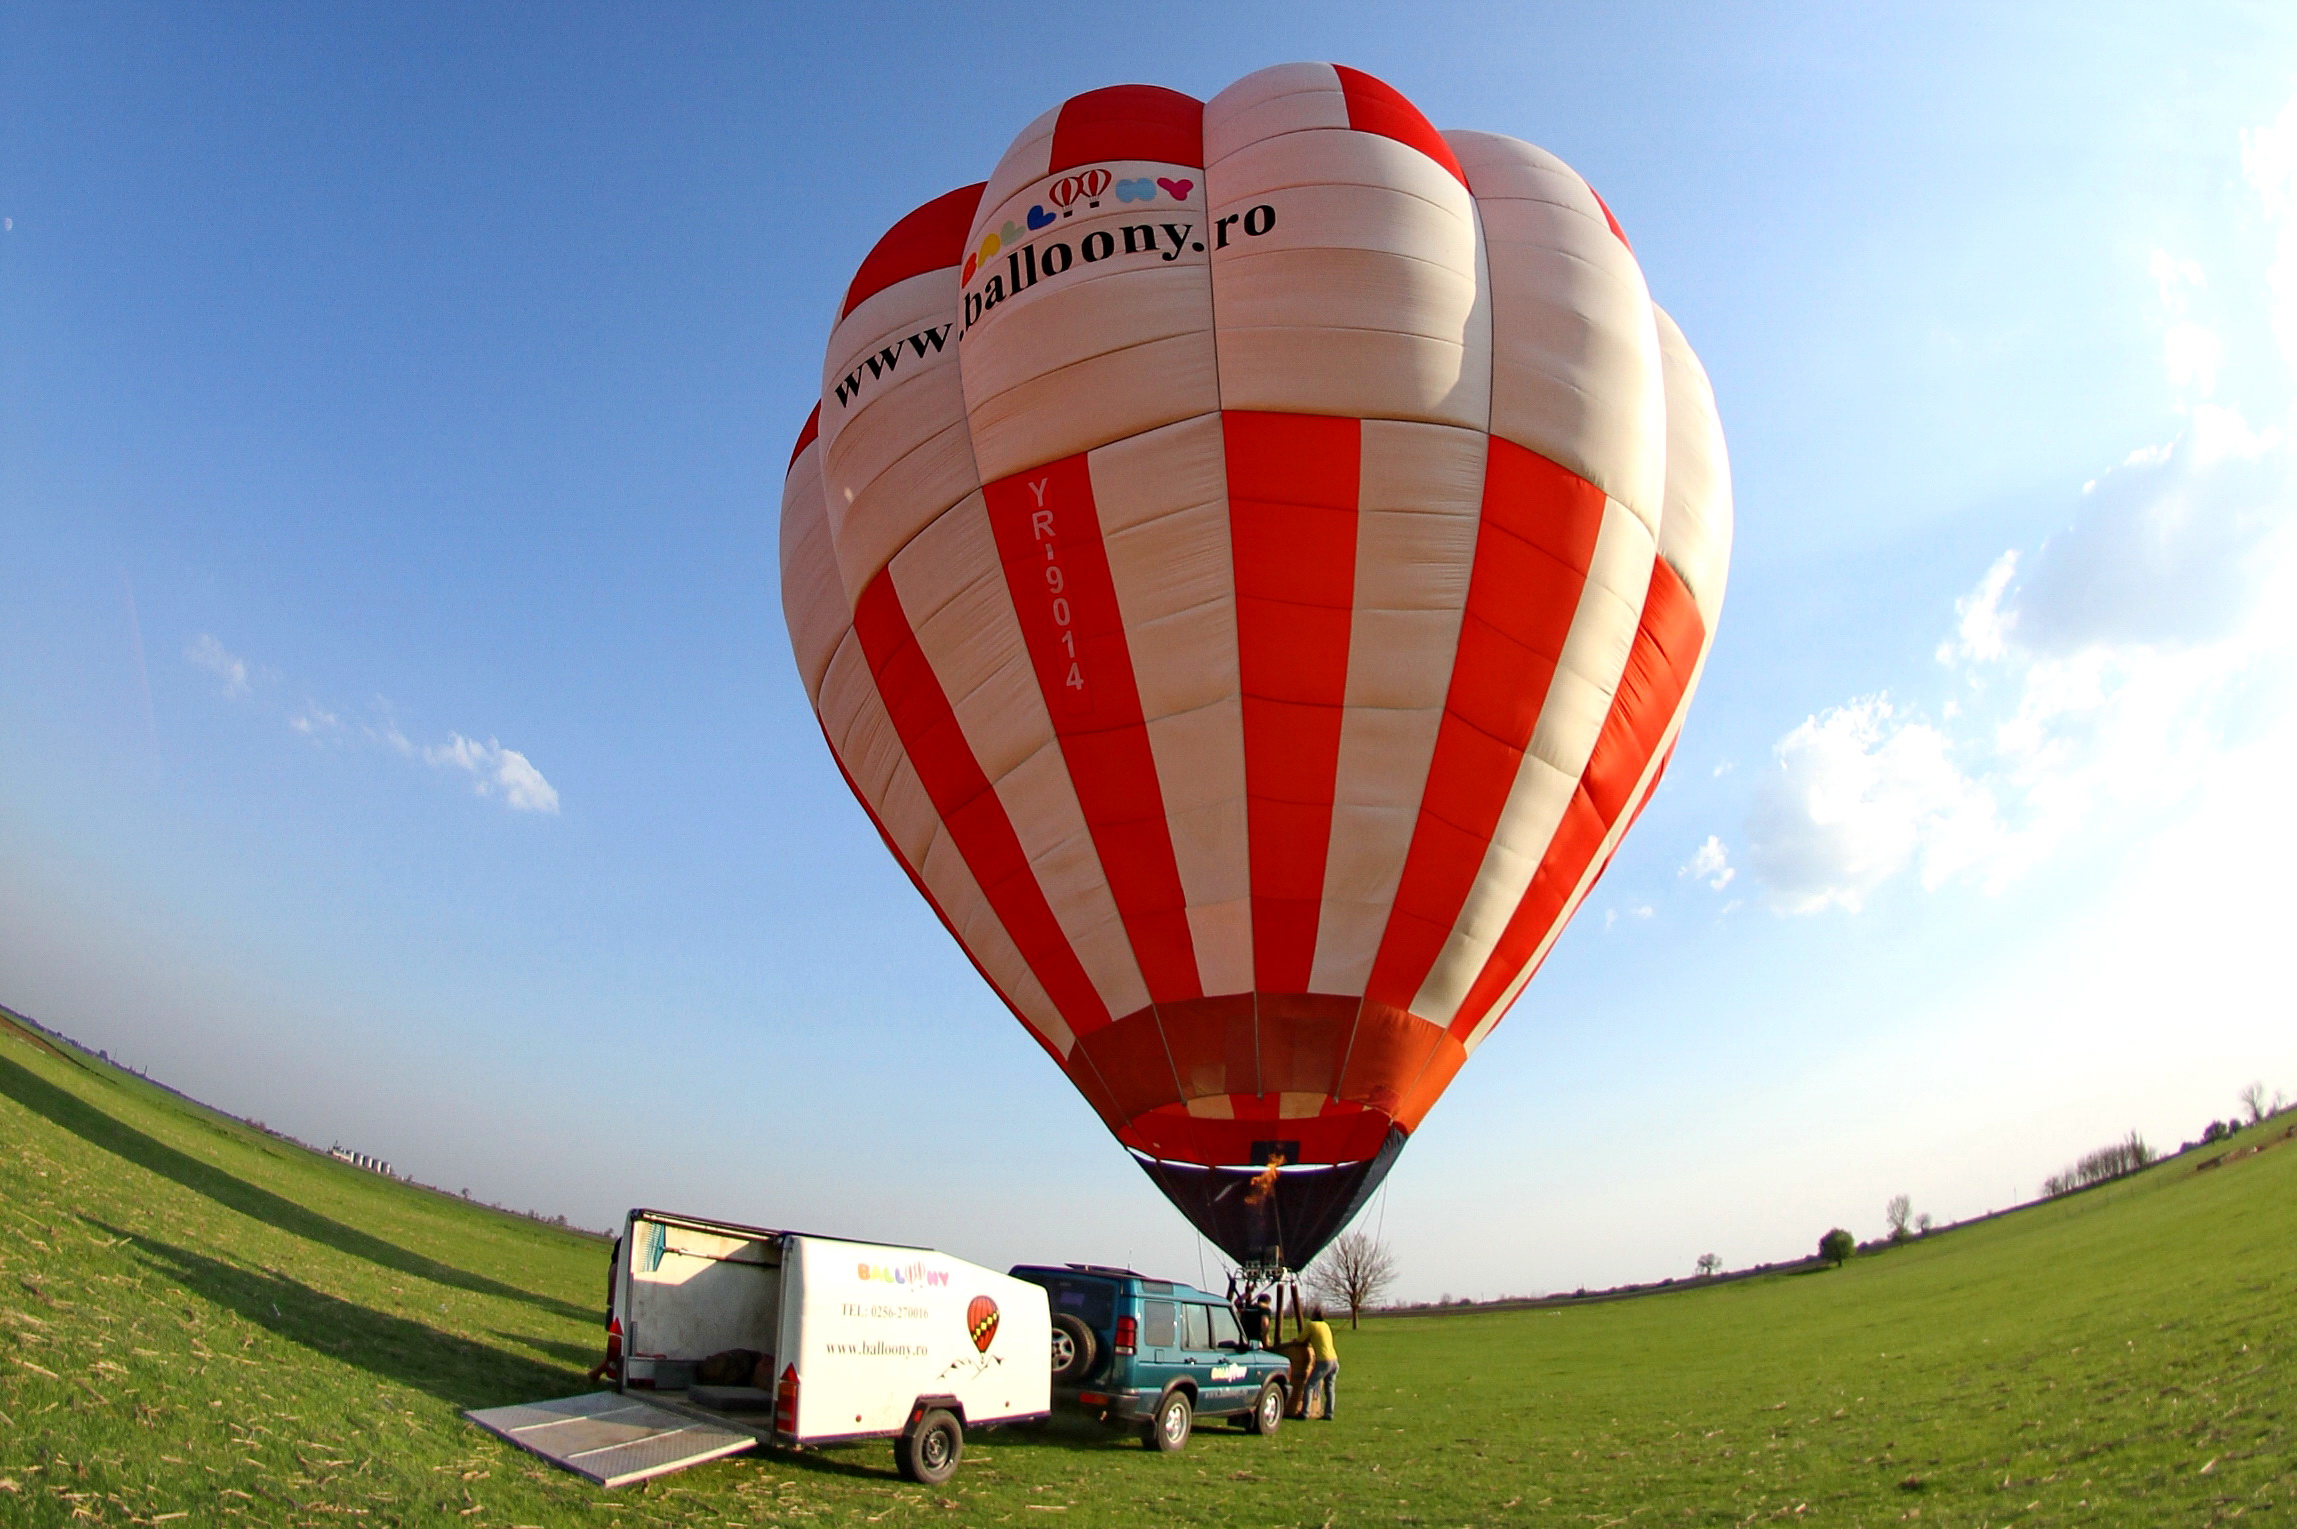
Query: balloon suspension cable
[1249, 1283]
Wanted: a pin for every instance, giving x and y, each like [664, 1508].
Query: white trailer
[851, 1340]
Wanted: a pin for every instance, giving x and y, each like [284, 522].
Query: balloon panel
[1252, 560]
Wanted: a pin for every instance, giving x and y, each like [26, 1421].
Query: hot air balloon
[1252, 559]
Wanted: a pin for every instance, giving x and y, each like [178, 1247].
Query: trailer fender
[925, 1404]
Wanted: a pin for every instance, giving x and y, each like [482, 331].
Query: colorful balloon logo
[1069, 187]
[981, 1322]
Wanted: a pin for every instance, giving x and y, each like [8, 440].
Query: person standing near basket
[1323, 1362]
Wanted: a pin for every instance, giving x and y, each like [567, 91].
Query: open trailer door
[680, 1289]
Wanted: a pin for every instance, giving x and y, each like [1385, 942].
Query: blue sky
[402, 744]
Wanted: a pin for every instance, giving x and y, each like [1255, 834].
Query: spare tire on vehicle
[1075, 1349]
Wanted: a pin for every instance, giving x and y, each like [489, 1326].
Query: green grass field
[206, 1324]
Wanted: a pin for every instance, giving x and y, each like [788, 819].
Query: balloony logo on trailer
[900, 1274]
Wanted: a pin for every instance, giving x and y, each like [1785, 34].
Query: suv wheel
[1267, 1409]
[928, 1453]
[1074, 1350]
[1167, 1430]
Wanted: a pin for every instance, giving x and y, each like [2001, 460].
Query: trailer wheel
[1267, 1409]
[928, 1453]
[1167, 1430]
[1074, 1349]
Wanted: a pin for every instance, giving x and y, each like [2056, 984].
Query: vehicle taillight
[1128, 1333]
[786, 1402]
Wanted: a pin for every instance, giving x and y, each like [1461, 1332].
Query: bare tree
[1709, 1264]
[1898, 1212]
[1922, 1225]
[2253, 1100]
[1353, 1272]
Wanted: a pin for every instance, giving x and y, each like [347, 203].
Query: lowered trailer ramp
[611, 1438]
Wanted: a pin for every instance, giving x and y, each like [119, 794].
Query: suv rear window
[1157, 1324]
[1091, 1301]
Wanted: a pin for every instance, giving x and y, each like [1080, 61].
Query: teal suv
[1155, 1354]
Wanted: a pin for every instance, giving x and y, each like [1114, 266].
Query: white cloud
[207, 653]
[1860, 793]
[2193, 353]
[315, 721]
[2105, 678]
[1981, 630]
[495, 771]
[388, 734]
[2269, 162]
[2099, 677]
[2169, 549]
[1711, 863]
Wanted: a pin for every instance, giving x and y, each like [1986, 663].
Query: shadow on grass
[872, 1460]
[453, 1369]
[1071, 1431]
[580, 1355]
[1065, 1431]
[98, 1129]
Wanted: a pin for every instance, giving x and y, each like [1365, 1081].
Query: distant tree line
[2112, 1162]
[1358, 1269]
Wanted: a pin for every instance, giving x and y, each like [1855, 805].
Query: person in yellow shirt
[1323, 1362]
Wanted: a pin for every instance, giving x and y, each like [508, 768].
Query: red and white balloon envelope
[1252, 559]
